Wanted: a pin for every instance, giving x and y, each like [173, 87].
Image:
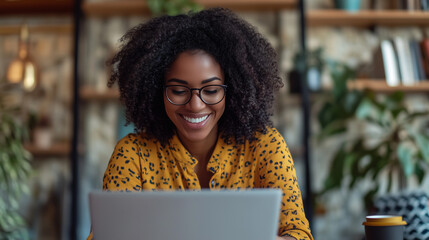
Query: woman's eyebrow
[210, 79]
[177, 80]
[185, 82]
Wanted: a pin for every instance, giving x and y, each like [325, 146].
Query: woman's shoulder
[269, 141]
[271, 135]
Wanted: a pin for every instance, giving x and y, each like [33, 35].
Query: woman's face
[195, 121]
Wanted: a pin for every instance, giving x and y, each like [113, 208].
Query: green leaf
[14, 170]
[172, 7]
[380, 161]
[332, 129]
[414, 115]
[365, 110]
[155, 6]
[326, 114]
[352, 102]
[353, 163]
[405, 156]
[336, 171]
[340, 74]
[423, 145]
[420, 173]
[395, 98]
[369, 197]
[396, 111]
[389, 180]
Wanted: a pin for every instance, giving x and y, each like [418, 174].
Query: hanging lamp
[23, 69]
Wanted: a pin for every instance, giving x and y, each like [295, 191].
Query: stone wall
[45, 207]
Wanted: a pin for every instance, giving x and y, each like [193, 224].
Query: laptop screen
[188, 215]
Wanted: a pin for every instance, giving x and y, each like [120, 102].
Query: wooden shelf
[109, 8]
[258, 5]
[367, 18]
[43, 28]
[139, 7]
[35, 7]
[380, 85]
[90, 94]
[56, 150]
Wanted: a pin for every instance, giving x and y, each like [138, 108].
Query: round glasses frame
[194, 89]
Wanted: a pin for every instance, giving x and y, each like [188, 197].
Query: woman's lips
[195, 122]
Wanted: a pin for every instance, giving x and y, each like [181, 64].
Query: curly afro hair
[248, 61]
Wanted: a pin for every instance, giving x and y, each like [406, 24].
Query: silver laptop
[186, 215]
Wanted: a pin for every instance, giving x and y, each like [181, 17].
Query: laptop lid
[186, 215]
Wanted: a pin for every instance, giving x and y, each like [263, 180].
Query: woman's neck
[201, 150]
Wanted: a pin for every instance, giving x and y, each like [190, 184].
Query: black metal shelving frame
[74, 155]
[305, 104]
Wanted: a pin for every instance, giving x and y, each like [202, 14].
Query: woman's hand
[285, 238]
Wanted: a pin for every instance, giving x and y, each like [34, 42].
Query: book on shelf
[386, 5]
[424, 5]
[386, 56]
[417, 60]
[424, 47]
[411, 5]
[401, 61]
[404, 59]
[414, 5]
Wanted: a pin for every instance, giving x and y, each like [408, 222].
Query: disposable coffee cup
[384, 227]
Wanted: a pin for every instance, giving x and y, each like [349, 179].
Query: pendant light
[23, 69]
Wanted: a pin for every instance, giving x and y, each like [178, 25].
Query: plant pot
[314, 82]
[42, 137]
[348, 5]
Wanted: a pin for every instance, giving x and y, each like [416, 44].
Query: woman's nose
[195, 104]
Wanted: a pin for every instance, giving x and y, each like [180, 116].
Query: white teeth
[195, 120]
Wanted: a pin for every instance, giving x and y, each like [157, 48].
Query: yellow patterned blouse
[141, 163]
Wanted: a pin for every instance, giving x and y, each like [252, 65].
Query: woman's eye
[210, 91]
[179, 92]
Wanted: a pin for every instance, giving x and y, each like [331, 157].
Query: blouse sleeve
[123, 172]
[275, 169]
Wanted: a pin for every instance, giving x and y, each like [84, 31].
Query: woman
[199, 89]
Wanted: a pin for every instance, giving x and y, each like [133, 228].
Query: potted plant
[14, 168]
[389, 141]
[172, 7]
[312, 63]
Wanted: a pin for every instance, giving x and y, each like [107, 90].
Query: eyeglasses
[181, 95]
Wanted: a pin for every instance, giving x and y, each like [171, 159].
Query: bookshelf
[380, 85]
[45, 28]
[56, 150]
[132, 7]
[31, 7]
[91, 94]
[367, 18]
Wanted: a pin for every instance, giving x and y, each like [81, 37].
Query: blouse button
[213, 183]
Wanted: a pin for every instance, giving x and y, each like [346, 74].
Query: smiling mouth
[195, 120]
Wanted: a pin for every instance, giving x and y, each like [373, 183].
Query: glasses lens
[177, 94]
[212, 94]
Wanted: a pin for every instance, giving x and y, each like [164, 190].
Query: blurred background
[354, 110]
